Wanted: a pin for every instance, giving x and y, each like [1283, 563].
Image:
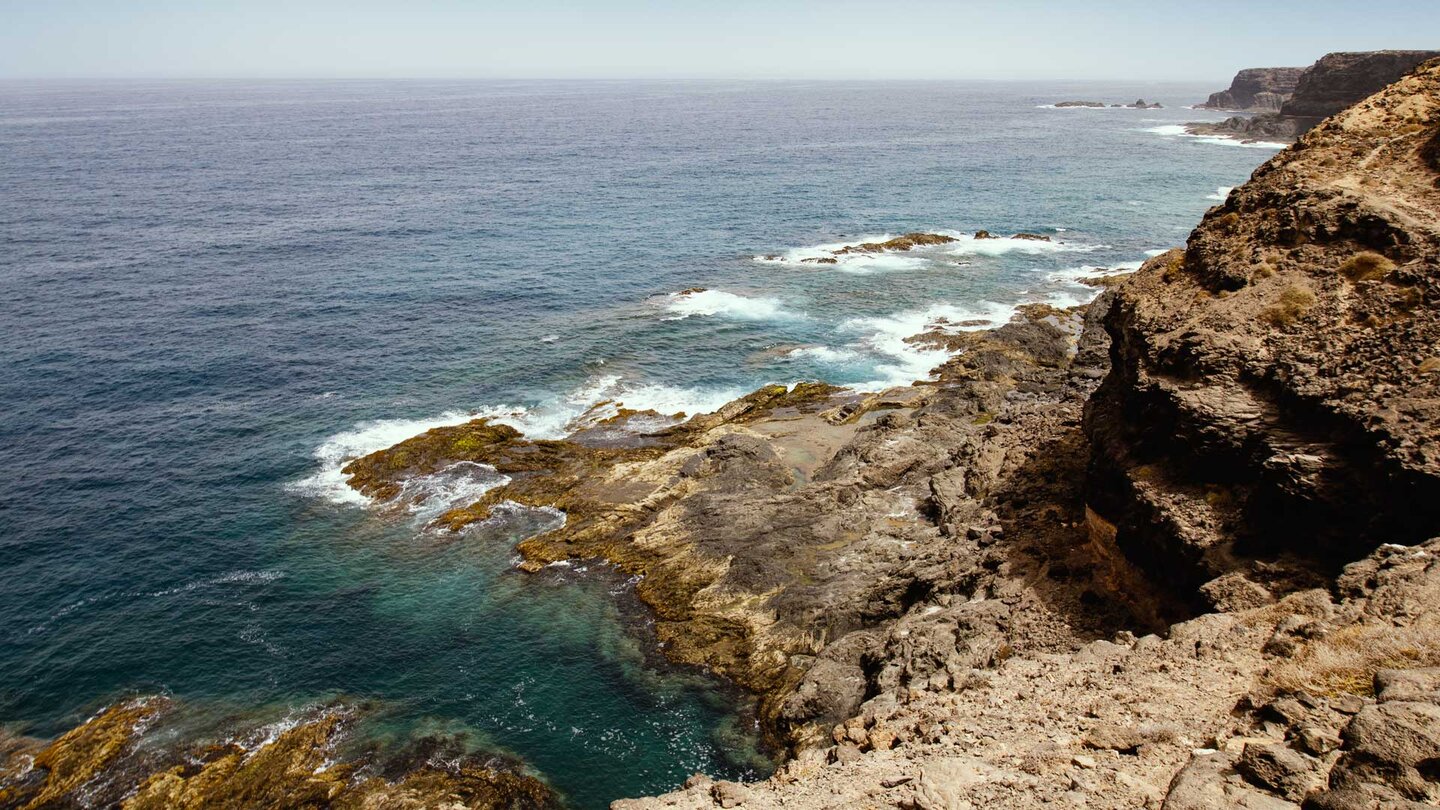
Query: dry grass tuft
[1346, 661]
[1295, 301]
[1366, 266]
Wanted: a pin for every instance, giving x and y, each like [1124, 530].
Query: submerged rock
[107, 761]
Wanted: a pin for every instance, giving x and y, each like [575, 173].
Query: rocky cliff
[1285, 365]
[1335, 82]
[1256, 89]
[1261, 464]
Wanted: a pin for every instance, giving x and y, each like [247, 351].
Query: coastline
[1144, 550]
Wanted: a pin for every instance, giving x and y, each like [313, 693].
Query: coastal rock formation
[1274, 407]
[1138, 105]
[109, 762]
[1262, 89]
[1335, 82]
[899, 243]
[1262, 468]
[787, 540]
[1339, 80]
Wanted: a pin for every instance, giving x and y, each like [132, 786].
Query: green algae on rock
[106, 761]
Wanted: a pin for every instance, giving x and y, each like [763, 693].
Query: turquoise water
[215, 293]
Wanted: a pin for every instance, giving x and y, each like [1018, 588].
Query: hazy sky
[921, 39]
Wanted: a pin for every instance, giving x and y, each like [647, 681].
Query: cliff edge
[1333, 83]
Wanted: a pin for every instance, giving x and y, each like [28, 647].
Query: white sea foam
[825, 354]
[1176, 130]
[1222, 193]
[329, 483]
[968, 245]
[965, 245]
[1073, 275]
[576, 409]
[460, 484]
[909, 362]
[1274, 145]
[1156, 252]
[726, 304]
[465, 482]
[858, 263]
[534, 519]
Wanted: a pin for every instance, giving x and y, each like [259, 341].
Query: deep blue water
[213, 293]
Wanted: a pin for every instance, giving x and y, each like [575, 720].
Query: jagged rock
[1210, 449]
[1209, 782]
[1278, 769]
[729, 794]
[1339, 80]
[899, 243]
[1125, 739]
[1408, 685]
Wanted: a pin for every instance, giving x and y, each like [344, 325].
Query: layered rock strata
[1333, 83]
[1264, 89]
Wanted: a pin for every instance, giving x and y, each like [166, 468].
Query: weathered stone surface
[1266, 412]
[1256, 89]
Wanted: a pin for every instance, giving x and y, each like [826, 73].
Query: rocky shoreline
[128, 756]
[1177, 547]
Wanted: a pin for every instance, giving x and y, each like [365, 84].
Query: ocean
[212, 294]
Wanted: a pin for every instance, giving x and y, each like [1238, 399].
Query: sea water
[213, 294]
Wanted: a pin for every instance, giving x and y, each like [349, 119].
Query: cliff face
[1256, 89]
[1339, 80]
[1274, 388]
[1335, 82]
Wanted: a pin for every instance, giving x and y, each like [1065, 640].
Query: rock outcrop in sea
[1176, 548]
[1140, 104]
[1335, 82]
[126, 757]
[1262, 89]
